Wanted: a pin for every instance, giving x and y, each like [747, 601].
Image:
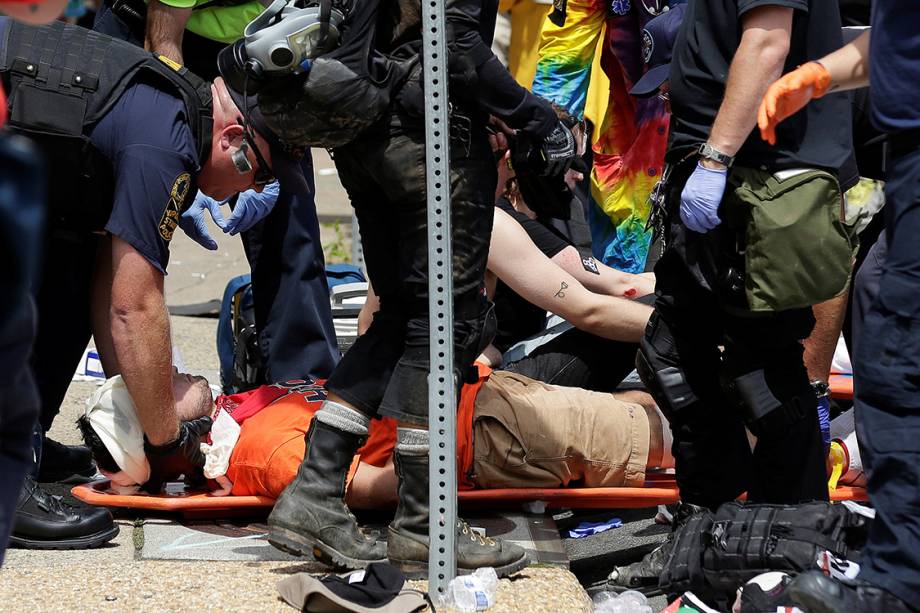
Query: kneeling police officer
[128, 139]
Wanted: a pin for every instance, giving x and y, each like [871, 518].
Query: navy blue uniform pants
[887, 376]
[289, 290]
[22, 209]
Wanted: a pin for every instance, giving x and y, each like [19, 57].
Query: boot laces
[474, 536]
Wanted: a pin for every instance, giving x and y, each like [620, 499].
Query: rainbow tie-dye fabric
[630, 145]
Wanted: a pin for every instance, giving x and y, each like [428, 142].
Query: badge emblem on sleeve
[177, 196]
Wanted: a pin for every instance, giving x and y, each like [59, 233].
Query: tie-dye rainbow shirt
[629, 151]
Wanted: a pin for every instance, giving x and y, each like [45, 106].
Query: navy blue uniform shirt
[894, 65]
[147, 138]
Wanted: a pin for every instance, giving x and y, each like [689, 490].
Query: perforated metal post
[442, 406]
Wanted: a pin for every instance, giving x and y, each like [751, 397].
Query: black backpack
[715, 553]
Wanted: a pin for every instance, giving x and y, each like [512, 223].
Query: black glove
[180, 457]
[558, 150]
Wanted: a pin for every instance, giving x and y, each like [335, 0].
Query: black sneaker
[44, 521]
[65, 463]
[817, 593]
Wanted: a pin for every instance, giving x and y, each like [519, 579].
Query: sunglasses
[263, 175]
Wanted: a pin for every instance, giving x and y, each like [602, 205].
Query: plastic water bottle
[629, 601]
[474, 592]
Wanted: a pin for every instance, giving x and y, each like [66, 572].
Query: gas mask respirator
[280, 42]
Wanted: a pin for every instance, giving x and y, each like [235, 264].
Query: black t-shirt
[517, 318]
[819, 136]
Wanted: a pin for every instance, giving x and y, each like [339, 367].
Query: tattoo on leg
[561, 292]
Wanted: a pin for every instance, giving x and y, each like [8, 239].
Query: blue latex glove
[251, 207]
[193, 224]
[699, 202]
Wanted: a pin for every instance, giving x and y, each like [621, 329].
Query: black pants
[887, 375]
[386, 370]
[577, 358]
[22, 209]
[709, 394]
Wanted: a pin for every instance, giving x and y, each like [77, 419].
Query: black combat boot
[311, 515]
[407, 544]
[43, 521]
[817, 593]
[65, 463]
[643, 575]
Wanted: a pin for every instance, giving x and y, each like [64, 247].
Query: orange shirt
[275, 418]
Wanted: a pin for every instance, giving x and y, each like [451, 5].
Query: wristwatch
[821, 389]
[709, 152]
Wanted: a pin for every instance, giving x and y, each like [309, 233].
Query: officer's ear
[231, 137]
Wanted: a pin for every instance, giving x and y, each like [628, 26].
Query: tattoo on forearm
[561, 292]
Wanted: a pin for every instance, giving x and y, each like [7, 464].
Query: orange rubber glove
[789, 94]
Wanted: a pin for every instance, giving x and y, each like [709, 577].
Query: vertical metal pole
[357, 250]
[442, 406]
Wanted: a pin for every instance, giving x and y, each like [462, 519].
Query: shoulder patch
[177, 196]
[648, 46]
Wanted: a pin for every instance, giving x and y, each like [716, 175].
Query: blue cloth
[894, 65]
[588, 528]
[155, 163]
[886, 363]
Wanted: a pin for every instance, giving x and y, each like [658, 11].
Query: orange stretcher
[841, 386]
[199, 504]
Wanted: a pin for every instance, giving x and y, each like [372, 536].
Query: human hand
[699, 202]
[182, 456]
[558, 150]
[789, 94]
[251, 207]
[193, 224]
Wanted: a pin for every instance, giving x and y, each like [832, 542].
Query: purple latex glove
[699, 202]
[824, 421]
[251, 207]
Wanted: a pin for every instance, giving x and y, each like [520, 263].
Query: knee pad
[764, 413]
[667, 384]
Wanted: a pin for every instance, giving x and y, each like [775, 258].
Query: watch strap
[711, 153]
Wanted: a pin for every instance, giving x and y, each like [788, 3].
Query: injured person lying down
[511, 432]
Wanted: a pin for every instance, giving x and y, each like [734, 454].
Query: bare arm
[140, 337]
[366, 315]
[165, 28]
[849, 65]
[606, 280]
[521, 266]
[758, 62]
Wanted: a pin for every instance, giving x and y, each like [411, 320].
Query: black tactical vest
[60, 81]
